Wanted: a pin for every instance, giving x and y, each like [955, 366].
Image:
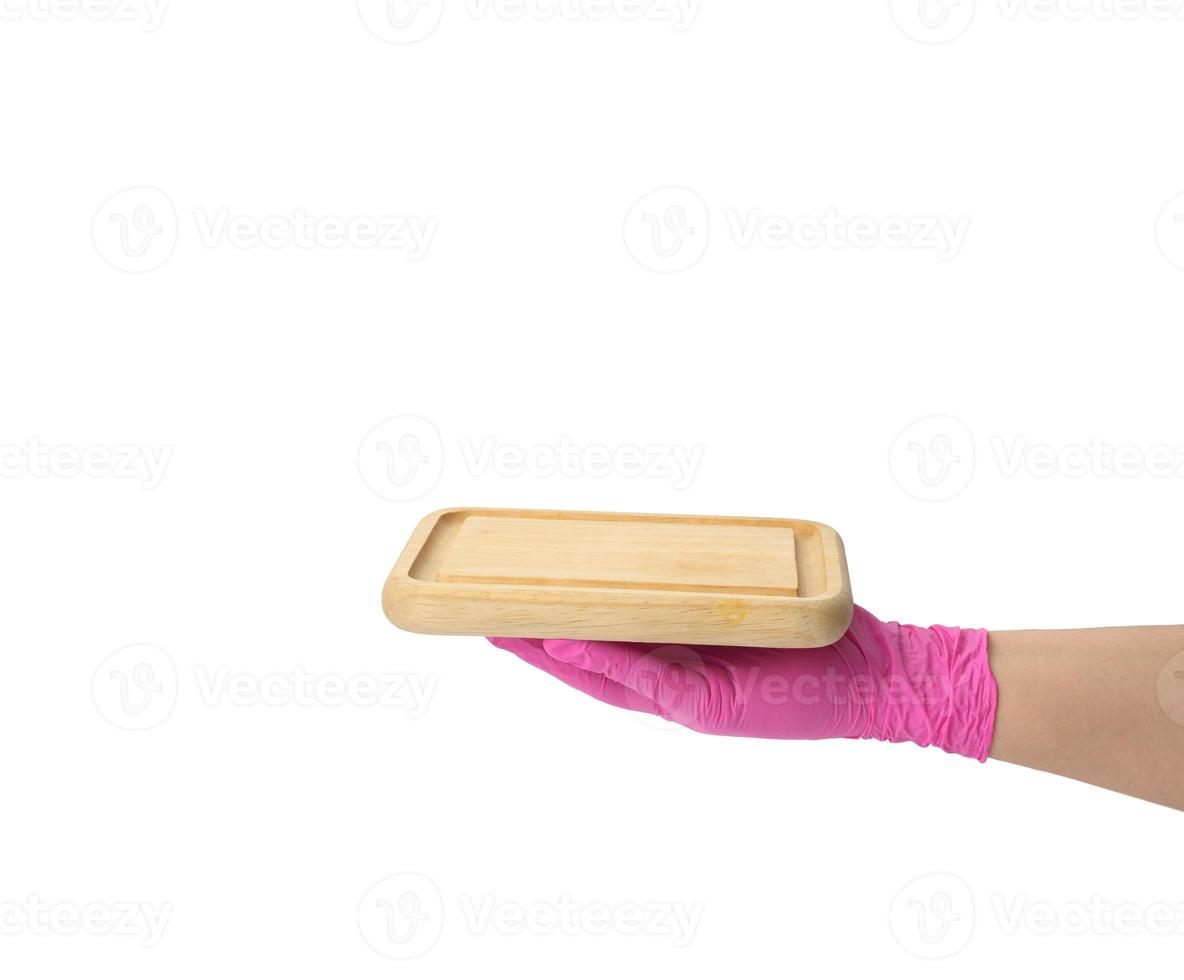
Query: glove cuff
[939, 690]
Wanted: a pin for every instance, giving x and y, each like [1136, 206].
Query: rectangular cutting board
[735, 581]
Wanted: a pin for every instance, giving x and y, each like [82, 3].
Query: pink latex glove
[931, 686]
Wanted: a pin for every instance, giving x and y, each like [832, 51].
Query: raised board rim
[405, 598]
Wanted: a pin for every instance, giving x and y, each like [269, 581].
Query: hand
[880, 680]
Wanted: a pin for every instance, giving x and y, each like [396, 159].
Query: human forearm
[1091, 704]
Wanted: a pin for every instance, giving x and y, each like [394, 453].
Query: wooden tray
[739, 581]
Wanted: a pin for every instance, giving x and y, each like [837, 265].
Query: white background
[540, 319]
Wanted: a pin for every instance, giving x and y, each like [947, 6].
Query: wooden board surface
[642, 577]
[623, 555]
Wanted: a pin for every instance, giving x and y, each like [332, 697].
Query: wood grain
[645, 577]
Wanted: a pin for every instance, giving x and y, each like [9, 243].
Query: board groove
[651, 578]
